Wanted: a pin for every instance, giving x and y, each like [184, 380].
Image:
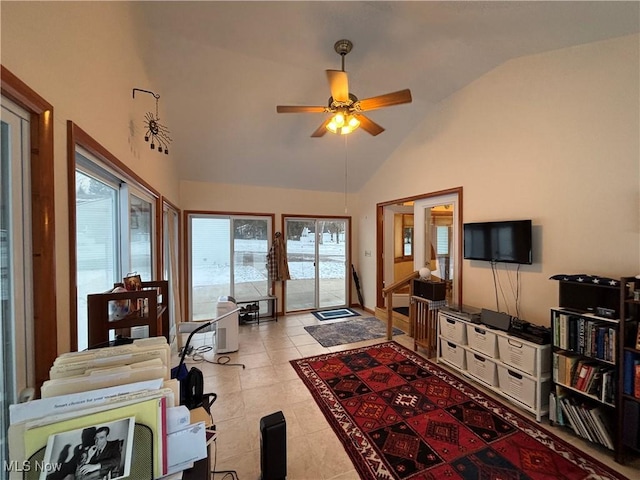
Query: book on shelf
[628, 373]
[588, 421]
[604, 422]
[553, 407]
[594, 383]
[576, 421]
[586, 336]
[636, 379]
[564, 364]
[571, 365]
[585, 410]
[579, 376]
[608, 393]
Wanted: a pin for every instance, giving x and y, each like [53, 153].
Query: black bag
[192, 391]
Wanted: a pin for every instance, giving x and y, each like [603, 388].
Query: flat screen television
[507, 241]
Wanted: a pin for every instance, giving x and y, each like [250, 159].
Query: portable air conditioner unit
[227, 329]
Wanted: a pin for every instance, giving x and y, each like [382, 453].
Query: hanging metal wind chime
[157, 133]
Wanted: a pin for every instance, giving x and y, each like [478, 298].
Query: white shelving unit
[515, 369]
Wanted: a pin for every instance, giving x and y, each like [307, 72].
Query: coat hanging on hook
[156, 132]
[277, 265]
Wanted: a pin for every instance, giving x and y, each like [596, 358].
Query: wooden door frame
[43, 231]
[349, 221]
[380, 237]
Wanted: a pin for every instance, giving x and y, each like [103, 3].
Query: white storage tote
[517, 385]
[519, 354]
[452, 353]
[453, 330]
[482, 368]
[482, 340]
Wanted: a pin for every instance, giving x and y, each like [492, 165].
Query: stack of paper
[106, 411]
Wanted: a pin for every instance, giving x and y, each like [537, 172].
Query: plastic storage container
[453, 330]
[482, 340]
[227, 329]
[452, 353]
[482, 368]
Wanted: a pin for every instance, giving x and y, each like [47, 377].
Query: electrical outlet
[367, 253]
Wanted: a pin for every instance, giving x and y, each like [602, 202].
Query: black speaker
[429, 290]
[273, 447]
[498, 320]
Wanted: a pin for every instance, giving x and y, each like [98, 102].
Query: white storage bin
[483, 340]
[452, 353]
[516, 385]
[453, 330]
[482, 368]
[519, 354]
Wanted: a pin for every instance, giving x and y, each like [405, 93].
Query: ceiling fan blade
[299, 109]
[322, 129]
[339, 85]
[387, 100]
[370, 126]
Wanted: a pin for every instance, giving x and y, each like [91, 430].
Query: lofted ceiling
[222, 67]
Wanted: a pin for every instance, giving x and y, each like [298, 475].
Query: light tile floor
[269, 384]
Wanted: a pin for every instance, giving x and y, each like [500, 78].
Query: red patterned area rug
[402, 417]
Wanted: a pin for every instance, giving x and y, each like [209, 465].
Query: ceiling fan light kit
[346, 109]
[343, 123]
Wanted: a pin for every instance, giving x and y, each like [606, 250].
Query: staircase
[393, 318]
[398, 319]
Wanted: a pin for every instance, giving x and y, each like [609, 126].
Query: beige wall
[277, 201]
[85, 64]
[551, 137]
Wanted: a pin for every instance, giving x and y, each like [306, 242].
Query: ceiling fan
[346, 109]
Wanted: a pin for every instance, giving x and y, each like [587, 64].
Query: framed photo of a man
[91, 453]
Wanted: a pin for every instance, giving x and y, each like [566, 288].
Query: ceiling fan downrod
[342, 47]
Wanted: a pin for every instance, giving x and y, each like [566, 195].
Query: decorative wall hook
[156, 132]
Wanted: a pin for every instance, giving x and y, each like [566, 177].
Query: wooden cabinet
[123, 310]
[628, 440]
[515, 369]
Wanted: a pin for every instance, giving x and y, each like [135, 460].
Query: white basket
[452, 353]
[482, 368]
[453, 330]
[516, 385]
[520, 355]
[482, 340]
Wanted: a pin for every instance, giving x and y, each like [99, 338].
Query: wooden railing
[388, 292]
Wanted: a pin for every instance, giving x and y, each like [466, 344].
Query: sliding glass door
[301, 255]
[227, 256]
[16, 307]
[317, 251]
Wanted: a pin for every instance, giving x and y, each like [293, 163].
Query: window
[403, 237]
[171, 254]
[442, 240]
[114, 232]
[227, 256]
[140, 231]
